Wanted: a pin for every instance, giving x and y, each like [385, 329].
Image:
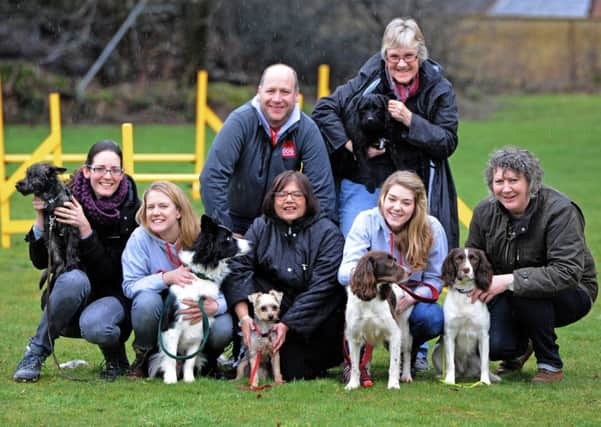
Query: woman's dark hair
[280, 182]
[104, 145]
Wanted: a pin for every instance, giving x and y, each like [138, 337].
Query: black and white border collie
[208, 259]
[466, 324]
[371, 315]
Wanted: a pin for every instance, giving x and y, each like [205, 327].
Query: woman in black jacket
[424, 127]
[296, 251]
[88, 302]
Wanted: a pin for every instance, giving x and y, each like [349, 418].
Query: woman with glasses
[296, 250]
[422, 106]
[88, 302]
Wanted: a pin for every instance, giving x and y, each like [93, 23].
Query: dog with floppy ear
[266, 313]
[43, 181]
[466, 326]
[368, 125]
[372, 318]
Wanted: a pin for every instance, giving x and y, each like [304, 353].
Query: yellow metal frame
[51, 150]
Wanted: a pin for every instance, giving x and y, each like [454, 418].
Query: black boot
[139, 367]
[115, 362]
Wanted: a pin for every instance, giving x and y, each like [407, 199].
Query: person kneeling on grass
[544, 273]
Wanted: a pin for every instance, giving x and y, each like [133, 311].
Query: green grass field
[563, 131]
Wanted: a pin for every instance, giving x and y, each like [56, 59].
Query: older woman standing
[545, 274]
[422, 102]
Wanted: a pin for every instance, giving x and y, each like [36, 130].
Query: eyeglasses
[407, 58]
[283, 195]
[102, 170]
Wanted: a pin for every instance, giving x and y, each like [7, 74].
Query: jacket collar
[292, 120]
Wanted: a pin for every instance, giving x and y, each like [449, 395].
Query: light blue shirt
[370, 232]
[144, 259]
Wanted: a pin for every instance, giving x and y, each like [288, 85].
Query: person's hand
[499, 285]
[72, 213]
[181, 276]
[247, 325]
[280, 335]
[193, 312]
[374, 152]
[400, 112]
[39, 205]
[404, 303]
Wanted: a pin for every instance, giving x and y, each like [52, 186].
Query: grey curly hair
[518, 160]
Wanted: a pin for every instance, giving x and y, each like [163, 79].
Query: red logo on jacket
[288, 149]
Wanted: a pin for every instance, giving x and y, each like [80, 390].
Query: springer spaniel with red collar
[371, 317]
[466, 324]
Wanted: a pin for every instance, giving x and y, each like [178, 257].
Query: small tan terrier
[267, 313]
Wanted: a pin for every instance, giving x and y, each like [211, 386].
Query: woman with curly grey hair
[544, 273]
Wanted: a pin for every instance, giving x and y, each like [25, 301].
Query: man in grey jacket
[260, 139]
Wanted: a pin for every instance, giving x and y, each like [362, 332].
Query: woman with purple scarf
[88, 302]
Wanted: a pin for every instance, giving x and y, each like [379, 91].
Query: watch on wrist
[245, 317]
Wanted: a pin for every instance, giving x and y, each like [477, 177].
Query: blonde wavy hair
[189, 223]
[415, 239]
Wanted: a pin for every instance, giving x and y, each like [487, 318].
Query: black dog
[369, 125]
[43, 181]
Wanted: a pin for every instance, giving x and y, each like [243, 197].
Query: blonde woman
[401, 226]
[151, 264]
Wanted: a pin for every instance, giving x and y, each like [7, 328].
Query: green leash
[205, 329]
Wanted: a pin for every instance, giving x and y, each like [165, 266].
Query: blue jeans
[99, 322]
[352, 199]
[146, 313]
[426, 322]
[514, 320]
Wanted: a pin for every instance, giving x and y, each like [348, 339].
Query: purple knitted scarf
[103, 210]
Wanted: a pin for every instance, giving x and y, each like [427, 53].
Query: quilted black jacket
[301, 260]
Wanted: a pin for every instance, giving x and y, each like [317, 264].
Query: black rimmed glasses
[102, 170]
[407, 58]
[283, 195]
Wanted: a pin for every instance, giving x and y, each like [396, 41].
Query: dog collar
[463, 291]
[260, 332]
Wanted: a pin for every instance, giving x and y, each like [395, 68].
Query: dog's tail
[154, 364]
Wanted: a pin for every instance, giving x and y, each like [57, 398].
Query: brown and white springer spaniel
[466, 324]
[371, 317]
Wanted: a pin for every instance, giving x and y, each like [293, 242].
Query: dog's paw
[189, 378]
[170, 379]
[449, 379]
[393, 385]
[495, 378]
[352, 385]
[406, 378]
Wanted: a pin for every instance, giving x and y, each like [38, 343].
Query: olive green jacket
[545, 249]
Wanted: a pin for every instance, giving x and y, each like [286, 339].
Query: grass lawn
[564, 131]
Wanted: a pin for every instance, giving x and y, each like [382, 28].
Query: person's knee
[146, 310]
[426, 322]
[72, 286]
[221, 333]
[99, 332]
